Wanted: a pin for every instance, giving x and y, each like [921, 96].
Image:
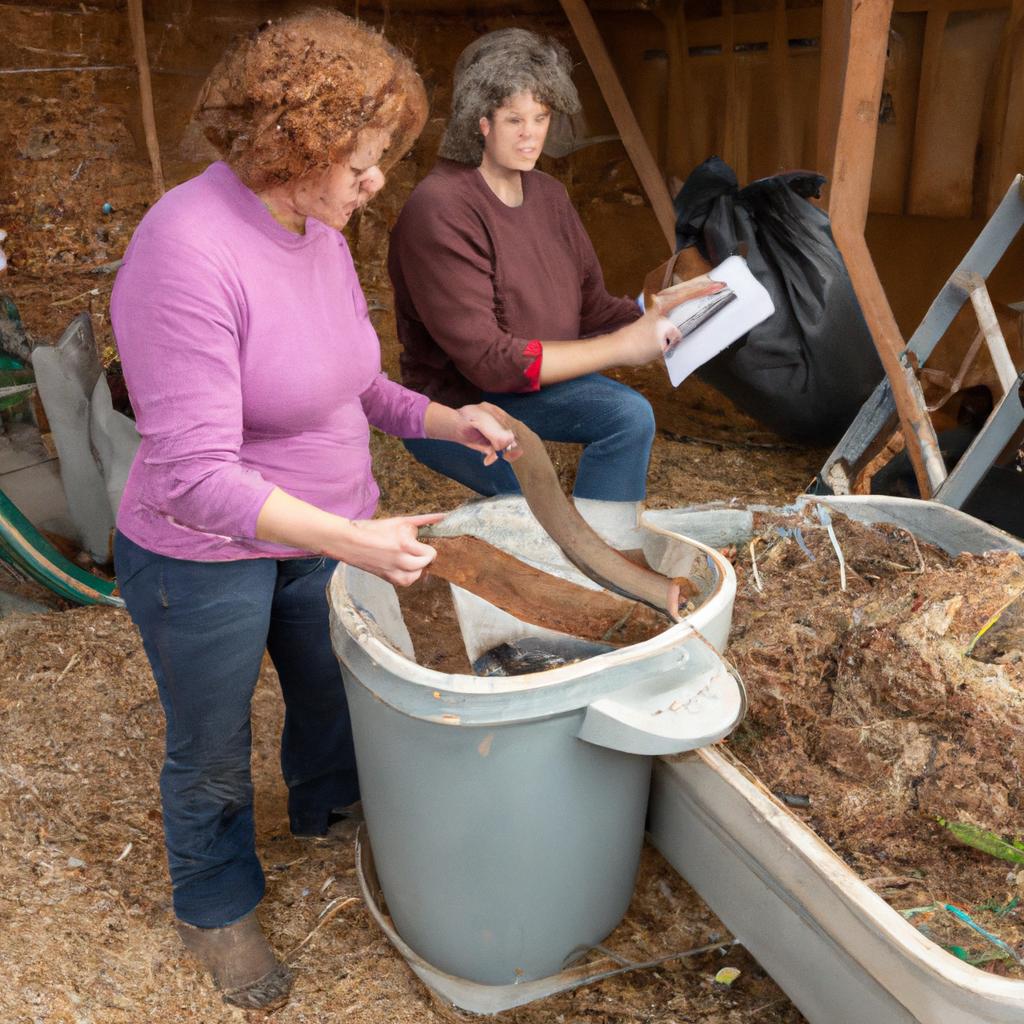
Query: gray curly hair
[496, 67]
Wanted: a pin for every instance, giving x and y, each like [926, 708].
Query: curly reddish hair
[297, 93]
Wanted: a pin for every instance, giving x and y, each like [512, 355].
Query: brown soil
[867, 702]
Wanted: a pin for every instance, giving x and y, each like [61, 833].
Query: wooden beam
[678, 156]
[935, 30]
[538, 597]
[785, 113]
[651, 179]
[138, 31]
[835, 42]
[1008, 100]
[851, 190]
[951, 6]
[731, 142]
[705, 33]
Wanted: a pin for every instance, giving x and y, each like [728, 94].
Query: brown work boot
[241, 962]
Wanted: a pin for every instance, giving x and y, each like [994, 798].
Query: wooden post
[622, 114]
[835, 42]
[734, 148]
[851, 190]
[786, 153]
[918, 192]
[138, 31]
[678, 158]
[1008, 136]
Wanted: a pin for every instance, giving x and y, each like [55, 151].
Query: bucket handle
[697, 702]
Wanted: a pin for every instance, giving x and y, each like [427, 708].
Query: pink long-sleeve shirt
[251, 363]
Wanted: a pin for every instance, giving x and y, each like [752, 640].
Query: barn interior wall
[73, 139]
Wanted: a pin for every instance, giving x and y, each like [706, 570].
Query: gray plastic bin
[506, 814]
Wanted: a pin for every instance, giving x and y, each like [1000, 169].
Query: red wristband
[532, 372]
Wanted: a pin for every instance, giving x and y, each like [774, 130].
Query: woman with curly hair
[496, 282]
[255, 376]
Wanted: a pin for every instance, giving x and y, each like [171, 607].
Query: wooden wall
[754, 81]
[759, 82]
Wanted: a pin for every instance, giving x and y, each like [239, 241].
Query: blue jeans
[613, 422]
[205, 626]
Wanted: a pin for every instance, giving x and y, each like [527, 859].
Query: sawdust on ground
[87, 930]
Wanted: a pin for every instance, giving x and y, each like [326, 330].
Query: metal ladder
[967, 282]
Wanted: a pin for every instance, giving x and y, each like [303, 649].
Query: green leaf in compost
[982, 839]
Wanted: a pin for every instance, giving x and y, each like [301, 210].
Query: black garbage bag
[806, 371]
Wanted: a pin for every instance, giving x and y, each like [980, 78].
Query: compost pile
[882, 710]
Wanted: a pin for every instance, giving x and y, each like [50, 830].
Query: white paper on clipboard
[752, 306]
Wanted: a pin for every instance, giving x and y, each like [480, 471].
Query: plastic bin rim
[667, 646]
[812, 849]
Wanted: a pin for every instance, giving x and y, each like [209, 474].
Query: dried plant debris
[896, 707]
[85, 922]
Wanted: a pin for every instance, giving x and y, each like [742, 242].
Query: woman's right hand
[388, 548]
[646, 339]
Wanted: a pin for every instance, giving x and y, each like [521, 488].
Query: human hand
[653, 334]
[645, 339]
[388, 548]
[667, 299]
[484, 428]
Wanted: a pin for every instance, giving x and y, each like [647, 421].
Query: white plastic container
[837, 949]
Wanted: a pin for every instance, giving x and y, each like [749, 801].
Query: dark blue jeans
[613, 422]
[205, 626]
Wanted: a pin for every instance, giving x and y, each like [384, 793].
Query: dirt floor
[85, 924]
[84, 902]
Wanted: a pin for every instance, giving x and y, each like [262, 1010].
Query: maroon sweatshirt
[477, 281]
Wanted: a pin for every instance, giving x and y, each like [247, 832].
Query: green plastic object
[962, 915]
[22, 546]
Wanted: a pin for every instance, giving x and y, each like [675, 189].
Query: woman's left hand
[484, 428]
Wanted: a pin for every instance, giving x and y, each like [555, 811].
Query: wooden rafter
[851, 190]
[835, 41]
[639, 152]
[788, 152]
[1008, 147]
[679, 158]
